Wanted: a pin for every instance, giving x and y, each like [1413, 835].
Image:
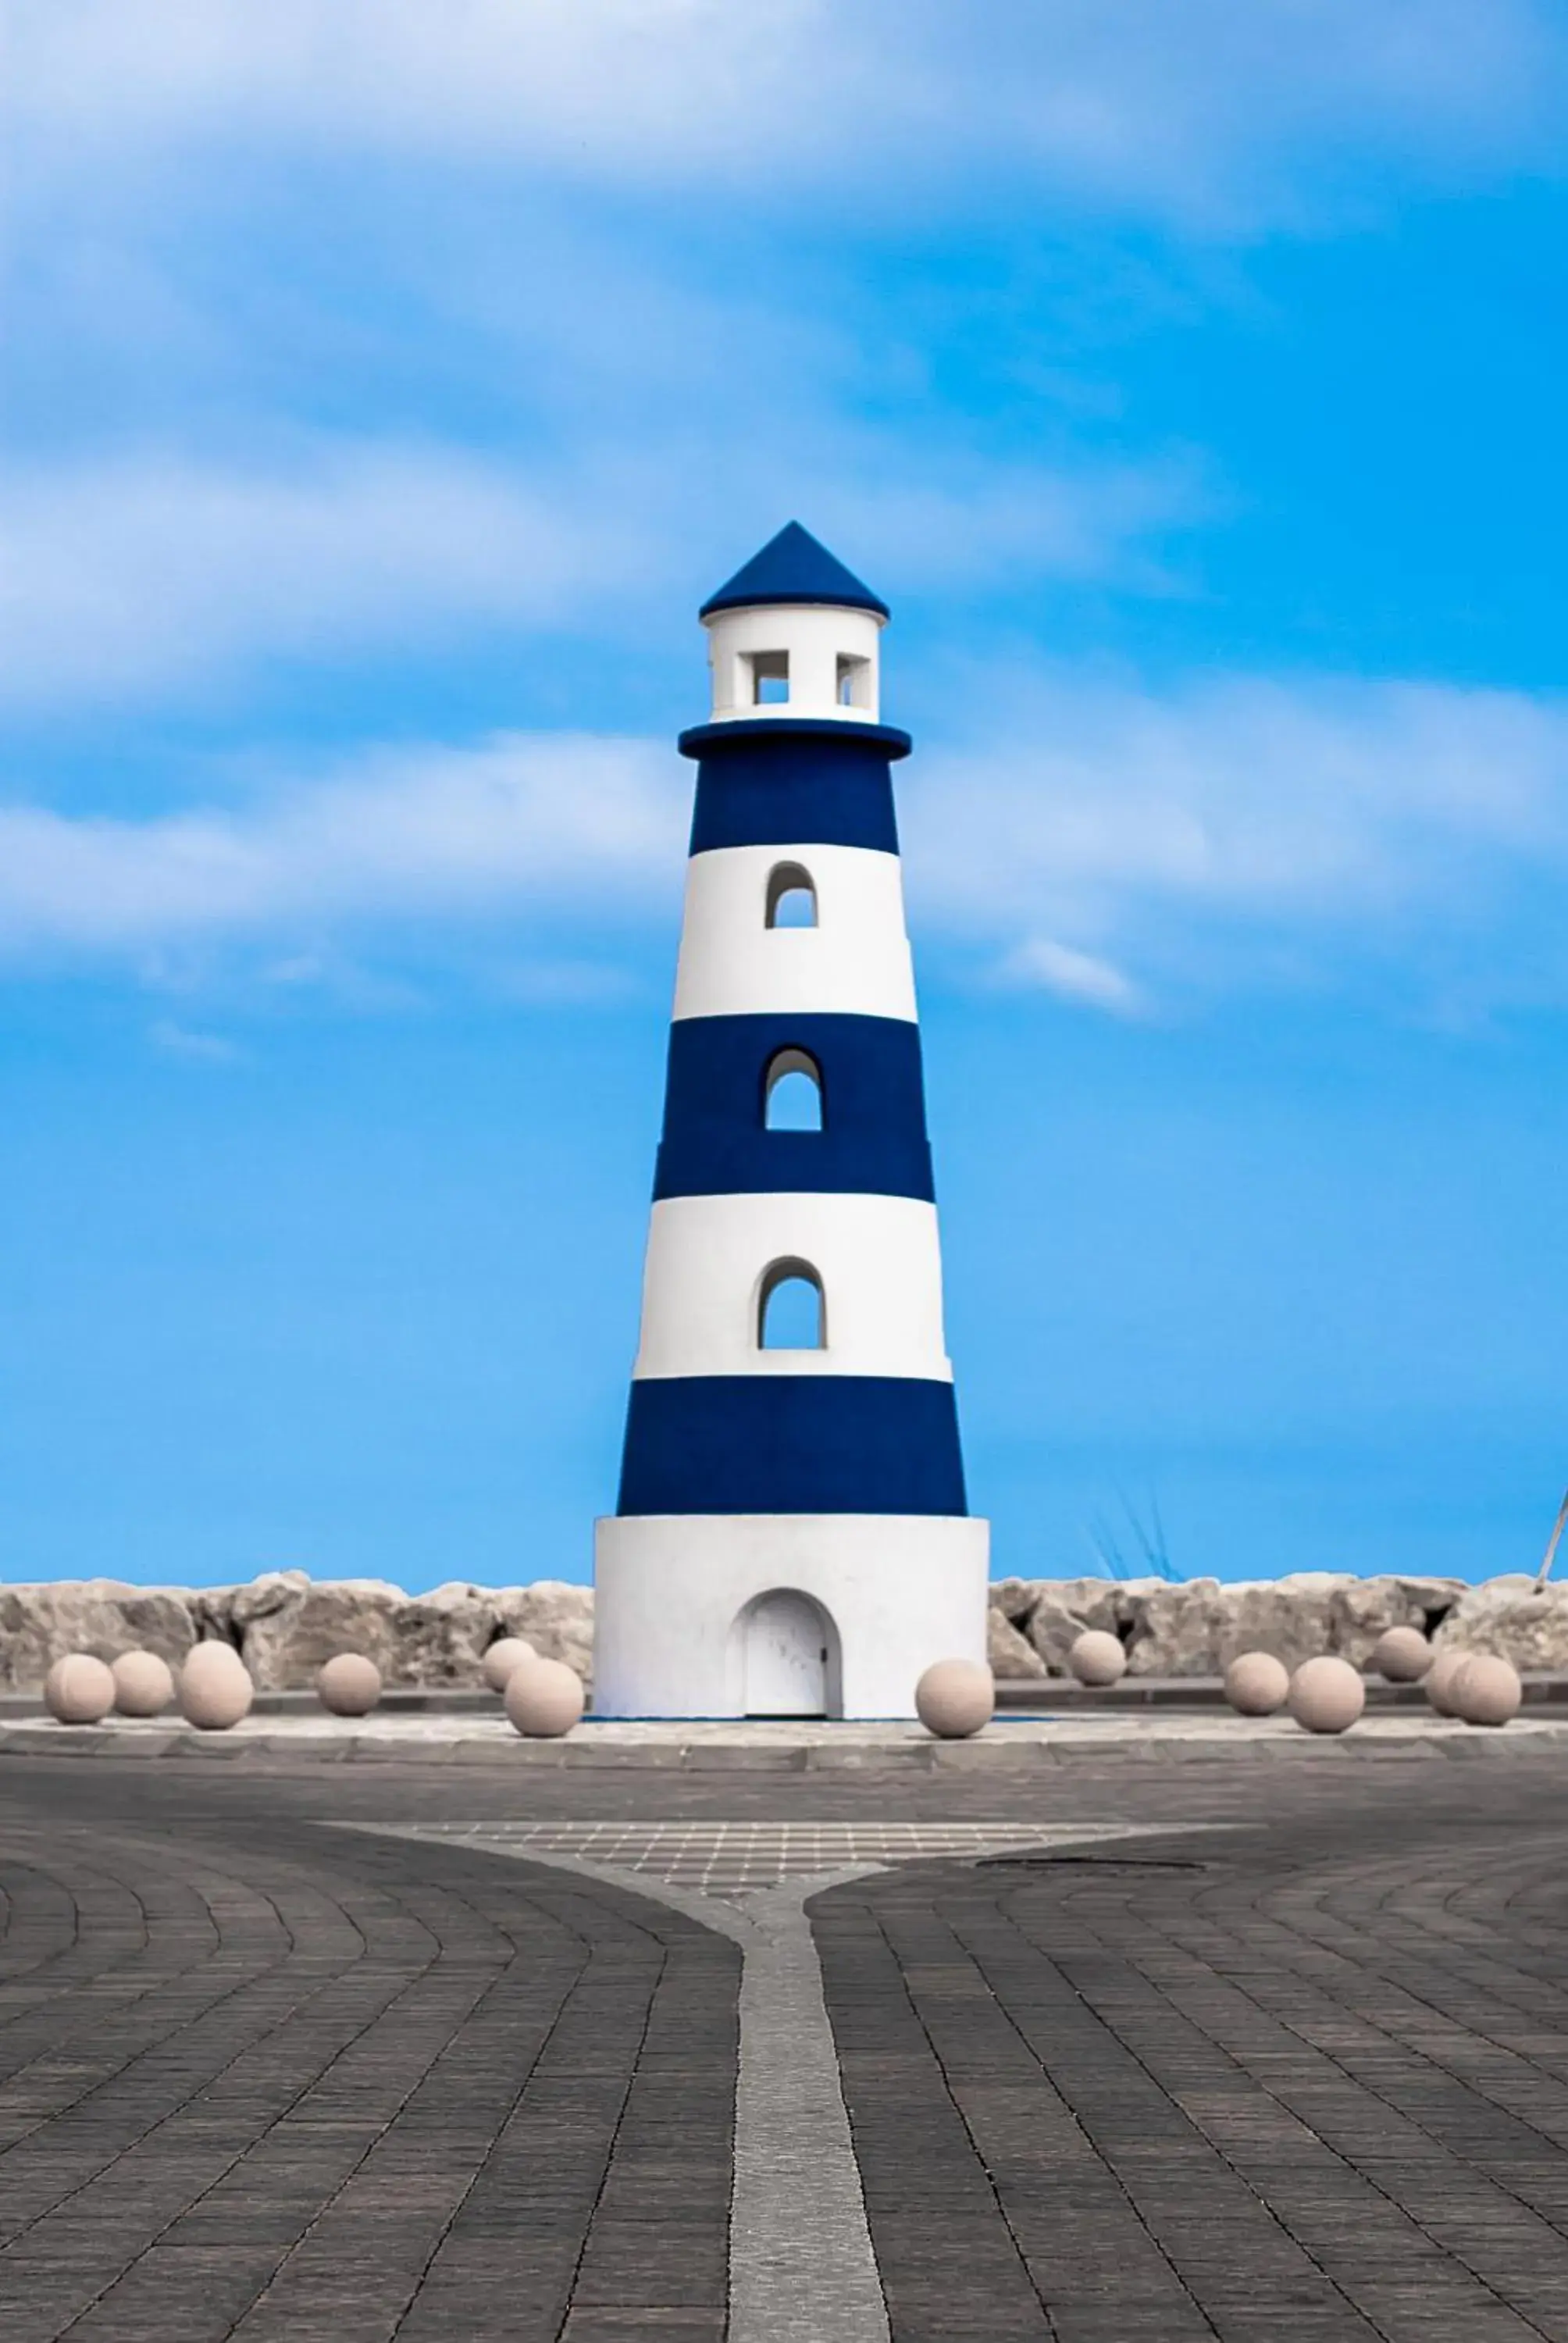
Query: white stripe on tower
[854, 961]
[877, 1257]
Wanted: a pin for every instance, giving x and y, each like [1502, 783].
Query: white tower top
[794, 633]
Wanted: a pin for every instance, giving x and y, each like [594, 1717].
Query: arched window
[792, 1091]
[792, 896]
[791, 1314]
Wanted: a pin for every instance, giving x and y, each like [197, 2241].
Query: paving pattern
[1300, 2079]
[351, 2099]
[1182, 2096]
[730, 1860]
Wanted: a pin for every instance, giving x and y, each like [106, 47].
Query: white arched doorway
[789, 1657]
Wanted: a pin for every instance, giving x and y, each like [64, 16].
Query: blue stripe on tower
[794, 782]
[792, 1445]
[873, 1136]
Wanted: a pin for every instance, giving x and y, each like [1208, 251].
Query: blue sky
[381, 388]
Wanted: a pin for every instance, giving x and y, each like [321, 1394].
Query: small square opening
[769, 678]
[853, 681]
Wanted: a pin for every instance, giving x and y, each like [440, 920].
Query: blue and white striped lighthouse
[791, 1535]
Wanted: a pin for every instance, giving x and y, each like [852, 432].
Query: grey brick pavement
[1304, 2078]
[348, 2094]
[1248, 2098]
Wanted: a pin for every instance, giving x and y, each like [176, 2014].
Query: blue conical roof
[793, 568]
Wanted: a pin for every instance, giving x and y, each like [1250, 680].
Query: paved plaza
[1102, 2051]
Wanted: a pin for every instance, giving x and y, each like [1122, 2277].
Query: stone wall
[1196, 1628]
[285, 1625]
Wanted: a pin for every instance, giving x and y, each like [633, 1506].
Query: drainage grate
[1043, 1860]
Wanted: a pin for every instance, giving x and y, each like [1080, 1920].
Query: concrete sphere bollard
[955, 1698]
[144, 1684]
[1097, 1657]
[502, 1657]
[1400, 1655]
[1486, 1691]
[215, 1689]
[544, 1698]
[79, 1690]
[1326, 1695]
[349, 1684]
[1438, 1681]
[1257, 1684]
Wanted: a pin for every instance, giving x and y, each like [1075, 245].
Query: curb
[1005, 1753]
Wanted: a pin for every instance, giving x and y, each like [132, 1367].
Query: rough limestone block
[289, 1626]
[441, 1638]
[273, 1591]
[1289, 1616]
[1010, 1656]
[1179, 1630]
[1015, 1598]
[1363, 1609]
[555, 1618]
[103, 1616]
[1511, 1618]
[285, 1625]
[1065, 1608]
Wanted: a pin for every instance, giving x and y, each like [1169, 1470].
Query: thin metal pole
[1549, 1556]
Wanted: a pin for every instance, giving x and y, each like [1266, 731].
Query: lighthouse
[792, 1536]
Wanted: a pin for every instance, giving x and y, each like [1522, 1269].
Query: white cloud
[1232, 117]
[562, 983]
[1111, 845]
[189, 1042]
[143, 573]
[1209, 110]
[1049, 967]
[1237, 799]
[1094, 522]
[411, 836]
[140, 570]
[610, 87]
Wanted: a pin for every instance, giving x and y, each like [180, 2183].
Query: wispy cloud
[1042, 964]
[189, 1042]
[144, 573]
[1321, 796]
[1207, 111]
[1093, 521]
[411, 836]
[145, 569]
[1116, 839]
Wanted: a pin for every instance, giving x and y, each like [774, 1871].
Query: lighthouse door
[786, 1657]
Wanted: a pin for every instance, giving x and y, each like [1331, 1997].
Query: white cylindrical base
[710, 1615]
